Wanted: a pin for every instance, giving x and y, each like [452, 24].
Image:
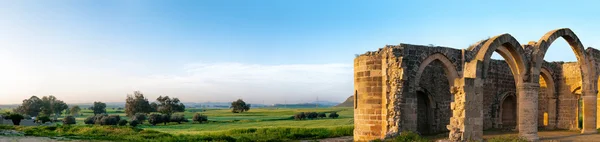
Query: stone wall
[569, 92]
[368, 97]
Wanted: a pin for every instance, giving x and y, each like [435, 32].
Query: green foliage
[312, 115]
[169, 105]
[200, 118]
[68, 120]
[90, 120]
[14, 117]
[114, 133]
[74, 110]
[239, 106]
[408, 136]
[507, 139]
[178, 118]
[322, 115]
[98, 108]
[122, 122]
[300, 116]
[137, 103]
[134, 123]
[334, 115]
[140, 117]
[154, 119]
[42, 119]
[32, 106]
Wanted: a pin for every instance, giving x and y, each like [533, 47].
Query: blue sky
[267, 50]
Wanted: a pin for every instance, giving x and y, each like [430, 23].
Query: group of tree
[137, 103]
[14, 117]
[239, 106]
[105, 119]
[46, 106]
[156, 118]
[200, 118]
[314, 115]
[98, 108]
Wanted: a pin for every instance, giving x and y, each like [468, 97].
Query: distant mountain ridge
[348, 103]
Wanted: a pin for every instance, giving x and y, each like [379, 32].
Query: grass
[264, 124]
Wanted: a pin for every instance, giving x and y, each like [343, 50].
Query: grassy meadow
[256, 124]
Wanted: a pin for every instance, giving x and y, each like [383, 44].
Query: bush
[15, 117]
[42, 119]
[300, 116]
[90, 120]
[68, 120]
[140, 117]
[154, 119]
[178, 118]
[200, 118]
[165, 118]
[134, 123]
[333, 115]
[311, 115]
[122, 122]
[507, 139]
[322, 115]
[408, 136]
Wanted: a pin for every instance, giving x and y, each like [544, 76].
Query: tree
[239, 106]
[154, 119]
[200, 118]
[322, 115]
[58, 106]
[15, 117]
[122, 122]
[68, 120]
[178, 118]
[136, 103]
[140, 117]
[31, 106]
[74, 110]
[98, 108]
[134, 123]
[300, 116]
[153, 107]
[42, 119]
[169, 106]
[311, 115]
[333, 115]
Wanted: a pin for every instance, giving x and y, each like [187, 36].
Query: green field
[256, 124]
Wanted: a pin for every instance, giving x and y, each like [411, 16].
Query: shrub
[15, 117]
[311, 115]
[178, 118]
[154, 119]
[300, 116]
[90, 120]
[42, 119]
[122, 122]
[134, 123]
[322, 115]
[200, 118]
[333, 115]
[141, 117]
[68, 120]
[408, 136]
[165, 118]
[507, 139]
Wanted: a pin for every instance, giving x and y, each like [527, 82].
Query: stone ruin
[431, 90]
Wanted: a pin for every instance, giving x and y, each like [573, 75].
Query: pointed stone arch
[451, 72]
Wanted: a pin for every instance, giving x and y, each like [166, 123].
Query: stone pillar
[527, 94]
[466, 122]
[589, 112]
[551, 113]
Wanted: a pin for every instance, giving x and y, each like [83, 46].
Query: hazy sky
[262, 50]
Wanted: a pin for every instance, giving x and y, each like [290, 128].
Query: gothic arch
[508, 47]
[449, 68]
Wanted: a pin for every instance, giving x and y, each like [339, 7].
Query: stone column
[467, 114]
[589, 112]
[527, 94]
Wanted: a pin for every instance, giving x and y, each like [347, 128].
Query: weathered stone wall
[435, 84]
[368, 97]
[569, 91]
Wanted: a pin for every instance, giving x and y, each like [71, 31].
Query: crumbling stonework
[430, 90]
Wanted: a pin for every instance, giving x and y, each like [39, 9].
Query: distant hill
[348, 103]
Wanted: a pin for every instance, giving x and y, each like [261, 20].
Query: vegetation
[42, 119]
[169, 106]
[74, 110]
[507, 139]
[300, 116]
[137, 103]
[122, 122]
[408, 136]
[69, 120]
[14, 117]
[239, 106]
[200, 118]
[334, 115]
[178, 118]
[98, 108]
[154, 119]
[134, 123]
[140, 117]
[115, 133]
[47, 106]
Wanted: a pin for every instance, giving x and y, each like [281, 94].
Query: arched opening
[355, 99]
[424, 115]
[509, 112]
[546, 100]
[434, 79]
